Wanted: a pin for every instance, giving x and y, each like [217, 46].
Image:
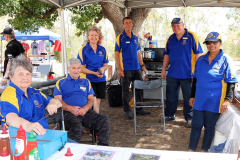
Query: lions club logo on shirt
[100, 53]
[37, 104]
[184, 42]
[135, 41]
[83, 88]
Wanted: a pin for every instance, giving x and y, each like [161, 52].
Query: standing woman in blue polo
[94, 62]
[214, 80]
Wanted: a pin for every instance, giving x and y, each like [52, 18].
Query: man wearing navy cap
[151, 40]
[129, 64]
[180, 54]
[13, 49]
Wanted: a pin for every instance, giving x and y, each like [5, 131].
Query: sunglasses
[210, 42]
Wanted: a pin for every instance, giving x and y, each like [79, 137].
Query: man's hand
[53, 105]
[4, 81]
[120, 73]
[82, 111]
[163, 75]
[224, 106]
[35, 127]
[191, 102]
[75, 110]
[99, 75]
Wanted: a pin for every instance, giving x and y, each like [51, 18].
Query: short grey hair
[73, 60]
[22, 61]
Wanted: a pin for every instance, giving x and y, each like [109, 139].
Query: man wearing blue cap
[181, 52]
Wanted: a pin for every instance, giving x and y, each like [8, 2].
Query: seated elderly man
[77, 98]
[23, 105]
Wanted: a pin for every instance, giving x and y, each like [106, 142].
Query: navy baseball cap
[176, 21]
[8, 30]
[213, 36]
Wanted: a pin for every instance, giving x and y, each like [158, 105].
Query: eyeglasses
[210, 42]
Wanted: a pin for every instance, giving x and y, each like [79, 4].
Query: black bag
[114, 93]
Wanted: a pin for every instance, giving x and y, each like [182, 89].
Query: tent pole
[125, 12]
[63, 42]
[1, 57]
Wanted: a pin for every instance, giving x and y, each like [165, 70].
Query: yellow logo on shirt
[184, 42]
[37, 104]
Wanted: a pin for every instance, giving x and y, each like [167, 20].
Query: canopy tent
[43, 34]
[132, 4]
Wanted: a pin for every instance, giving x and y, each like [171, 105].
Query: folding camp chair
[151, 90]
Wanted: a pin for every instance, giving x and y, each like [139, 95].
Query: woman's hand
[191, 102]
[225, 106]
[35, 127]
[99, 75]
[53, 105]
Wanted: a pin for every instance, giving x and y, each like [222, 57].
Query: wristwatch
[142, 65]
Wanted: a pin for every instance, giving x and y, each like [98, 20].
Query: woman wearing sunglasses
[214, 80]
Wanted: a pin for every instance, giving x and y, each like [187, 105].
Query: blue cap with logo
[176, 21]
[213, 36]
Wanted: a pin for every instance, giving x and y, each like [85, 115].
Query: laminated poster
[137, 156]
[95, 154]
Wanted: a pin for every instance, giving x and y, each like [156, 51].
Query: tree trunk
[116, 14]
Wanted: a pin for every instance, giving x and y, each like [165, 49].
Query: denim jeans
[172, 96]
[200, 119]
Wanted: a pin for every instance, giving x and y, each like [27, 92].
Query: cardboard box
[56, 139]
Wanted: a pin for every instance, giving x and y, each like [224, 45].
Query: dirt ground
[176, 137]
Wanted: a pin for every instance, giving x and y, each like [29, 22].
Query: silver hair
[73, 60]
[22, 61]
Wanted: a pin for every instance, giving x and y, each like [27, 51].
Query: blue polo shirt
[181, 54]
[32, 108]
[93, 61]
[212, 81]
[128, 55]
[152, 40]
[74, 92]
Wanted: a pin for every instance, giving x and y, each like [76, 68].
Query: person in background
[214, 81]
[77, 96]
[13, 49]
[94, 62]
[181, 52]
[151, 40]
[129, 64]
[22, 104]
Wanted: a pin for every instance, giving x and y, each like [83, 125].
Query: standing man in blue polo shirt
[181, 52]
[129, 64]
[151, 40]
[77, 96]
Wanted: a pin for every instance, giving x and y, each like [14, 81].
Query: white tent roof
[149, 3]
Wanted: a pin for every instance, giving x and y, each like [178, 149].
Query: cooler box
[114, 93]
[56, 138]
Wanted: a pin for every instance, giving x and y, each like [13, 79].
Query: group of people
[207, 82]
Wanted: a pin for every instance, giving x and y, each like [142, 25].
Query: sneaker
[170, 118]
[189, 123]
[142, 112]
[128, 115]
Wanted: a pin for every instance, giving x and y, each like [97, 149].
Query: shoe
[189, 123]
[170, 118]
[142, 112]
[128, 115]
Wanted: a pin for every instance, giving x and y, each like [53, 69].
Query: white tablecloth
[79, 150]
[228, 125]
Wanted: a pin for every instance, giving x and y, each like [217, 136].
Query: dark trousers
[200, 119]
[130, 76]
[92, 120]
[172, 96]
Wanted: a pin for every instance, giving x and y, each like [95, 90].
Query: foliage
[235, 16]
[85, 16]
[28, 15]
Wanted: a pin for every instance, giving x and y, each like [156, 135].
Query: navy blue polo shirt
[152, 40]
[32, 108]
[93, 61]
[212, 81]
[128, 55]
[181, 54]
[74, 92]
